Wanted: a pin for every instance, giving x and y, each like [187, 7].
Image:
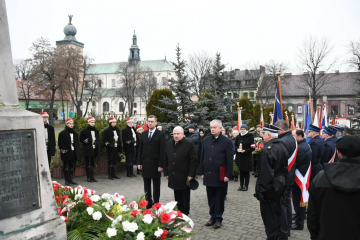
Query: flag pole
[311, 107]
[280, 95]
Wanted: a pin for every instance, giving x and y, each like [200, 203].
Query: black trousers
[112, 158]
[216, 201]
[183, 200]
[256, 162]
[90, 161]
[130, 156]
[269, 216]
[300, 211]
[156, 191]
[285, 212]
[68, 170]
[244, 178]
[49, 157]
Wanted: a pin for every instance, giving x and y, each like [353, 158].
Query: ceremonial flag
[261, 118]
[277, 105]
[239, 121]
[316, 120]
[286, 118]
[292, 127]
[304, 183]
[307, 120]
[324, 121]
[271, 118]
[145, 126]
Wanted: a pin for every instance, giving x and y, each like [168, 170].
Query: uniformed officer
[270, 185]
[339, 131]
[317, 148]
[90, 139]
[49, 135]
[131, 142]
[329, 146]
[113, 146]
[70, 151]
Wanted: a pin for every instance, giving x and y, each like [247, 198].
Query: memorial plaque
[19, 190]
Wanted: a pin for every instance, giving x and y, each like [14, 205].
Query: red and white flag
[292, 127]
[333, 157]
[145, 126]
[271, 118]
[303, 182]
[261, 118]
[286, 118]
[239, 122]
[292, 158]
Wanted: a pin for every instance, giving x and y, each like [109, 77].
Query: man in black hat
[216, 170]
[317, 149]
[334, 208]
[270, 185]
[180, 164]
[329, 146]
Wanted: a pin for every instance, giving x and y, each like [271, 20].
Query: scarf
[243, 134]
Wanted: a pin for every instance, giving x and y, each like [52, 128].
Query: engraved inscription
[19, 191]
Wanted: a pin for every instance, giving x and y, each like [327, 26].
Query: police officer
[90, 139]
[270, 185]
[339, 131]
[317, 149]
[291, 146]
[113, 146]
[329, 146]
[70, 151]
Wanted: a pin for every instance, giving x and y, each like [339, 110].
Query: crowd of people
[319, 172]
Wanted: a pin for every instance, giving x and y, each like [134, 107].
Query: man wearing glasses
[150, 159]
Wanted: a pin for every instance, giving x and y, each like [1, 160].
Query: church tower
[70, 40]
[134, 55]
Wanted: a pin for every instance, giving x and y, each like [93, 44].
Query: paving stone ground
[242, 219]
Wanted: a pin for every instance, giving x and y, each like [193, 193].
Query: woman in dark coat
[90, 139]
[244, 145]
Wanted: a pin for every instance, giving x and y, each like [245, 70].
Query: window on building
[135, 113]
[135, 104]
[251, 94]
[247, 82]
[93, 103]
[245, 94]
[236, 95]
[121, 107]
[106, 107]
[229, 95]
[99, 83]
[164, 81]
[351, 110]
[86, 84]
[335, 110]
[113, 83]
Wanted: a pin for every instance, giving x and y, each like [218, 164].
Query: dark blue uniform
[329, 150]
[317, 148]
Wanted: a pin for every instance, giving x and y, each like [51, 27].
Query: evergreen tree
[257, 112]
[155, 102]
[247, 114]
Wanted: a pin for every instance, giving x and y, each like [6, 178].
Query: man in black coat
[195, 138]
[131, 142]
[329, 154]
[302, 179]
[151, 158]
[180, 164]
[334, 208]
[216, 170]
[70, 151]
[291, 146]
[271, 183]
[317, 149]
[113, 146]
[90, 139]
[49, 135]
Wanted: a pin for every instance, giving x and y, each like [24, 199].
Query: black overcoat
[110, 141]
[86, 140]
[244, 160]
[151, 153]
[317, 149]
[303, 158]
[270, 184]
[51, 139]
[216, 152]
[334, 209]
[64, 143]
[329, 151]
[128, 140]
[180, 162]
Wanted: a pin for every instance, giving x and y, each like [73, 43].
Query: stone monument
[27, 205]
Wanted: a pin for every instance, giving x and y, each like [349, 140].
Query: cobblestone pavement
[242, 219]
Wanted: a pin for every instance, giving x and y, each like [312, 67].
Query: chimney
[337, 71]
[237, 70]
[321, 72]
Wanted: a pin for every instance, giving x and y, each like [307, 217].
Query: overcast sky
[242, 31]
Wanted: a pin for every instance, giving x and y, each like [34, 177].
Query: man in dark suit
[180, 164]
[317, 150]
[131, 142]
[49, 135]
[150, 159]
[216, 170]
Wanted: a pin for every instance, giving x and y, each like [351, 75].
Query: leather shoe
[240, 188]
[245, 188]
[217, 225]
[210, 222]
[296, 227]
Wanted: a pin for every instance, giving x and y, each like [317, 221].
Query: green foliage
[266, 112]
[257, 112]
[152, 108]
